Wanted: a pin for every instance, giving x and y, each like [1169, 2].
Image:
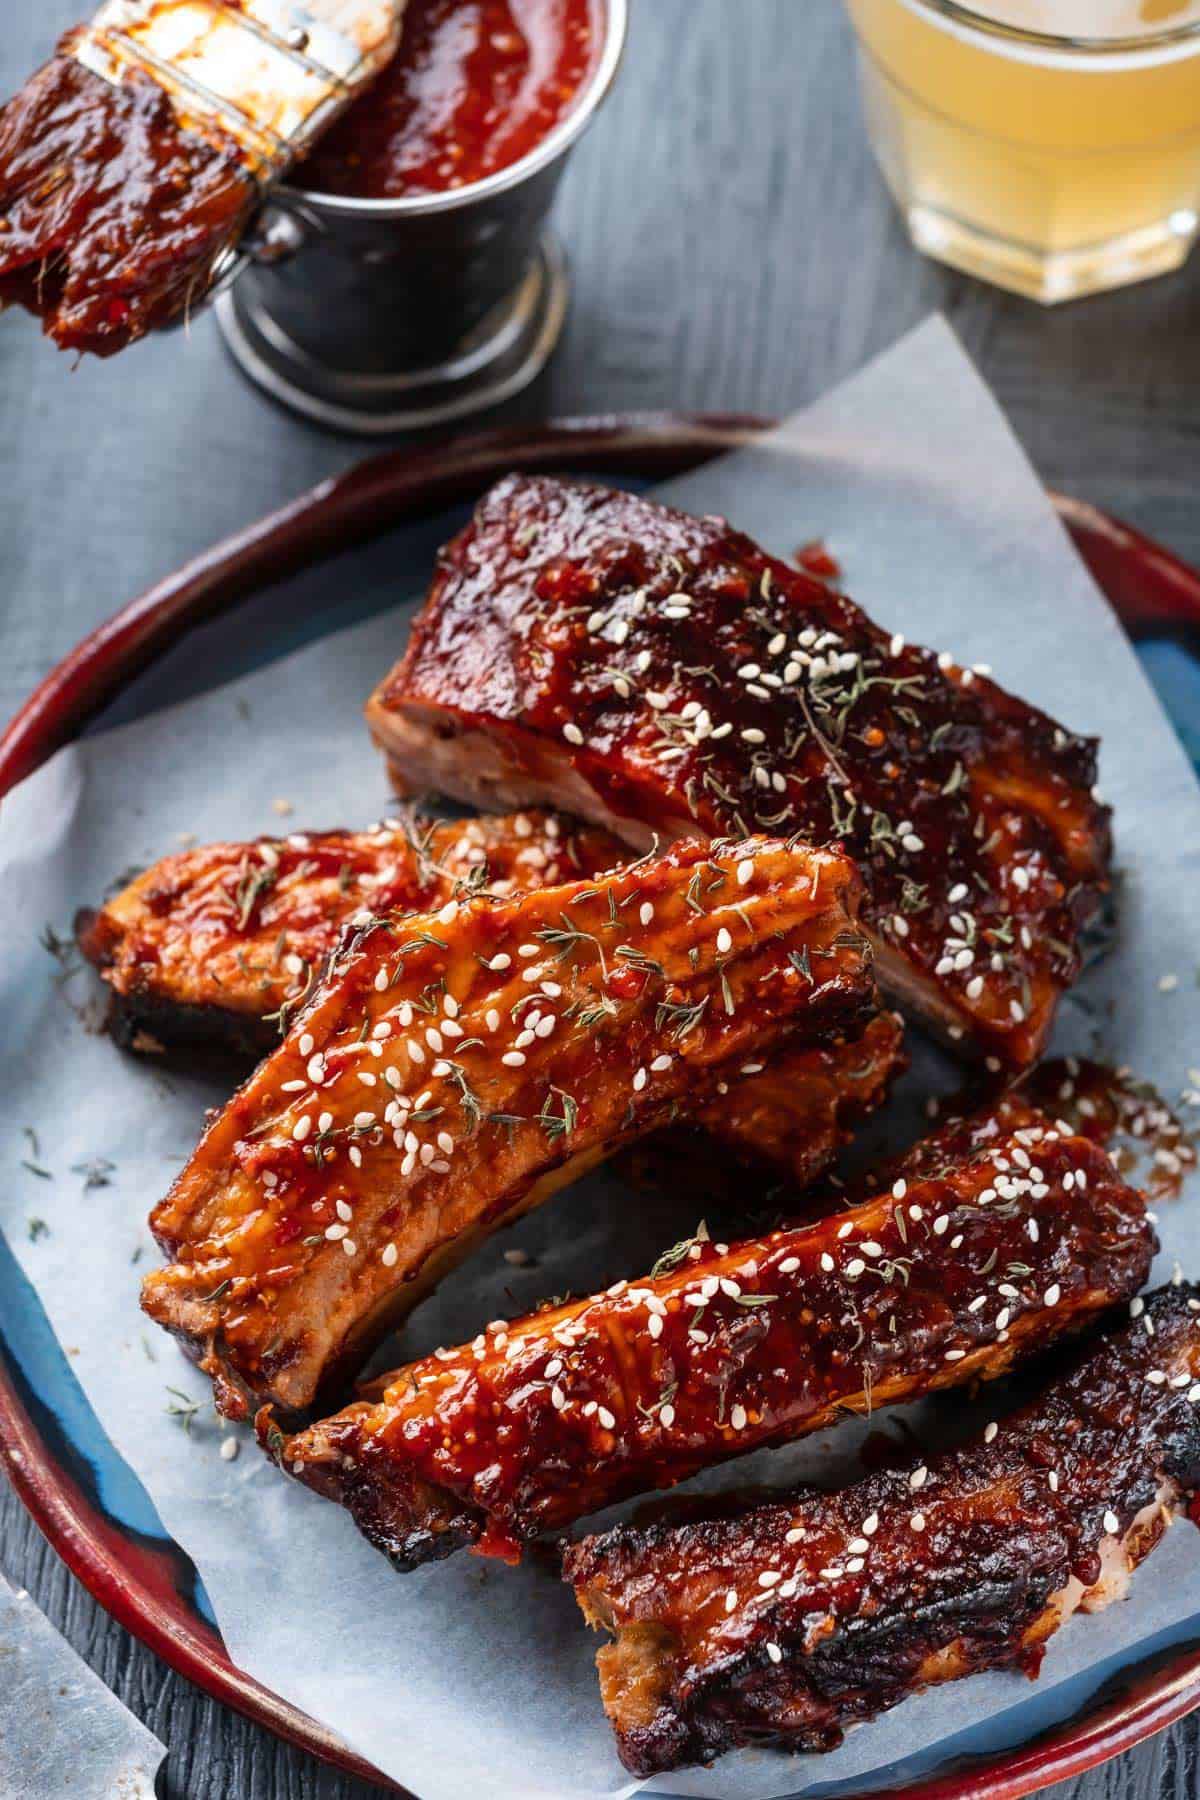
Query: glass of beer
[1049, 146]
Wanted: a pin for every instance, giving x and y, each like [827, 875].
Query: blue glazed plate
[255, 598]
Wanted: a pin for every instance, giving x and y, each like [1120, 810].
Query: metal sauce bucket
[374, 316]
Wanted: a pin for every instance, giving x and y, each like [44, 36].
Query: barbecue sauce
[476, 85]
[111, 215]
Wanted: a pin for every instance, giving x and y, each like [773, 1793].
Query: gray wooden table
[732, 248]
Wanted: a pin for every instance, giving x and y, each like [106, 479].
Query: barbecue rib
[220, 945]
[727, 1348]
[455, 1068]
[655, 672]
[212, 944]
[790, 1622]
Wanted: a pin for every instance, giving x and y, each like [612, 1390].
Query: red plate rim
[1149, 588]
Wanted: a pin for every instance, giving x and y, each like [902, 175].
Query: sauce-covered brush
[135, 160]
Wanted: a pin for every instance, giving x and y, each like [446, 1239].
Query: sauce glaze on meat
[790, 1622]
[456, 1068]
[656, 672]
[726, 1348]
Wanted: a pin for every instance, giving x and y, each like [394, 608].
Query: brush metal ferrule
[267, 75]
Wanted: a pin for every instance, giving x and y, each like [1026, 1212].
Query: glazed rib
[218, 946]
[656, 672]
[213, 945]
[455, 1068]
[790, 1622]
[726, 1348]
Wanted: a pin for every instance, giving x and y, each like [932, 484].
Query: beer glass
[1049, 146]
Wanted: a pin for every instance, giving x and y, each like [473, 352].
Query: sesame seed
[229, 1449]
[307, 1044]
[1053, 1294]
[730, 1599]
[1111, 1523]
[513, 1059]
[605, 1417]
[768, 1578]
[646, 912]
[737, 1417]
[639, 1080]
[1052, 1478]
[349, 1246]
[918, 1478]
[827, 1262]
[388, 1256]
[855, 1266]
[899, 1189]
[301, 1128]
[745, 871]
[724, 941]
[790, 1264]
[917, 1521]
[654, 1325]
[572, 732]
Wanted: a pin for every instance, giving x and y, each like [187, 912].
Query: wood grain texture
[732, 247]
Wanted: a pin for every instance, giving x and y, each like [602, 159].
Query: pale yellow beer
[1051, 146]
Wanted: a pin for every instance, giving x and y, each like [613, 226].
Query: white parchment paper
[471, 1678]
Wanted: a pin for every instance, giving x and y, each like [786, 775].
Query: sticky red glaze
[920, 1573]
[210, 944]
[111, 216]
[476, 85]
[659, 669]
[469, 1111]
[736, 1346]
